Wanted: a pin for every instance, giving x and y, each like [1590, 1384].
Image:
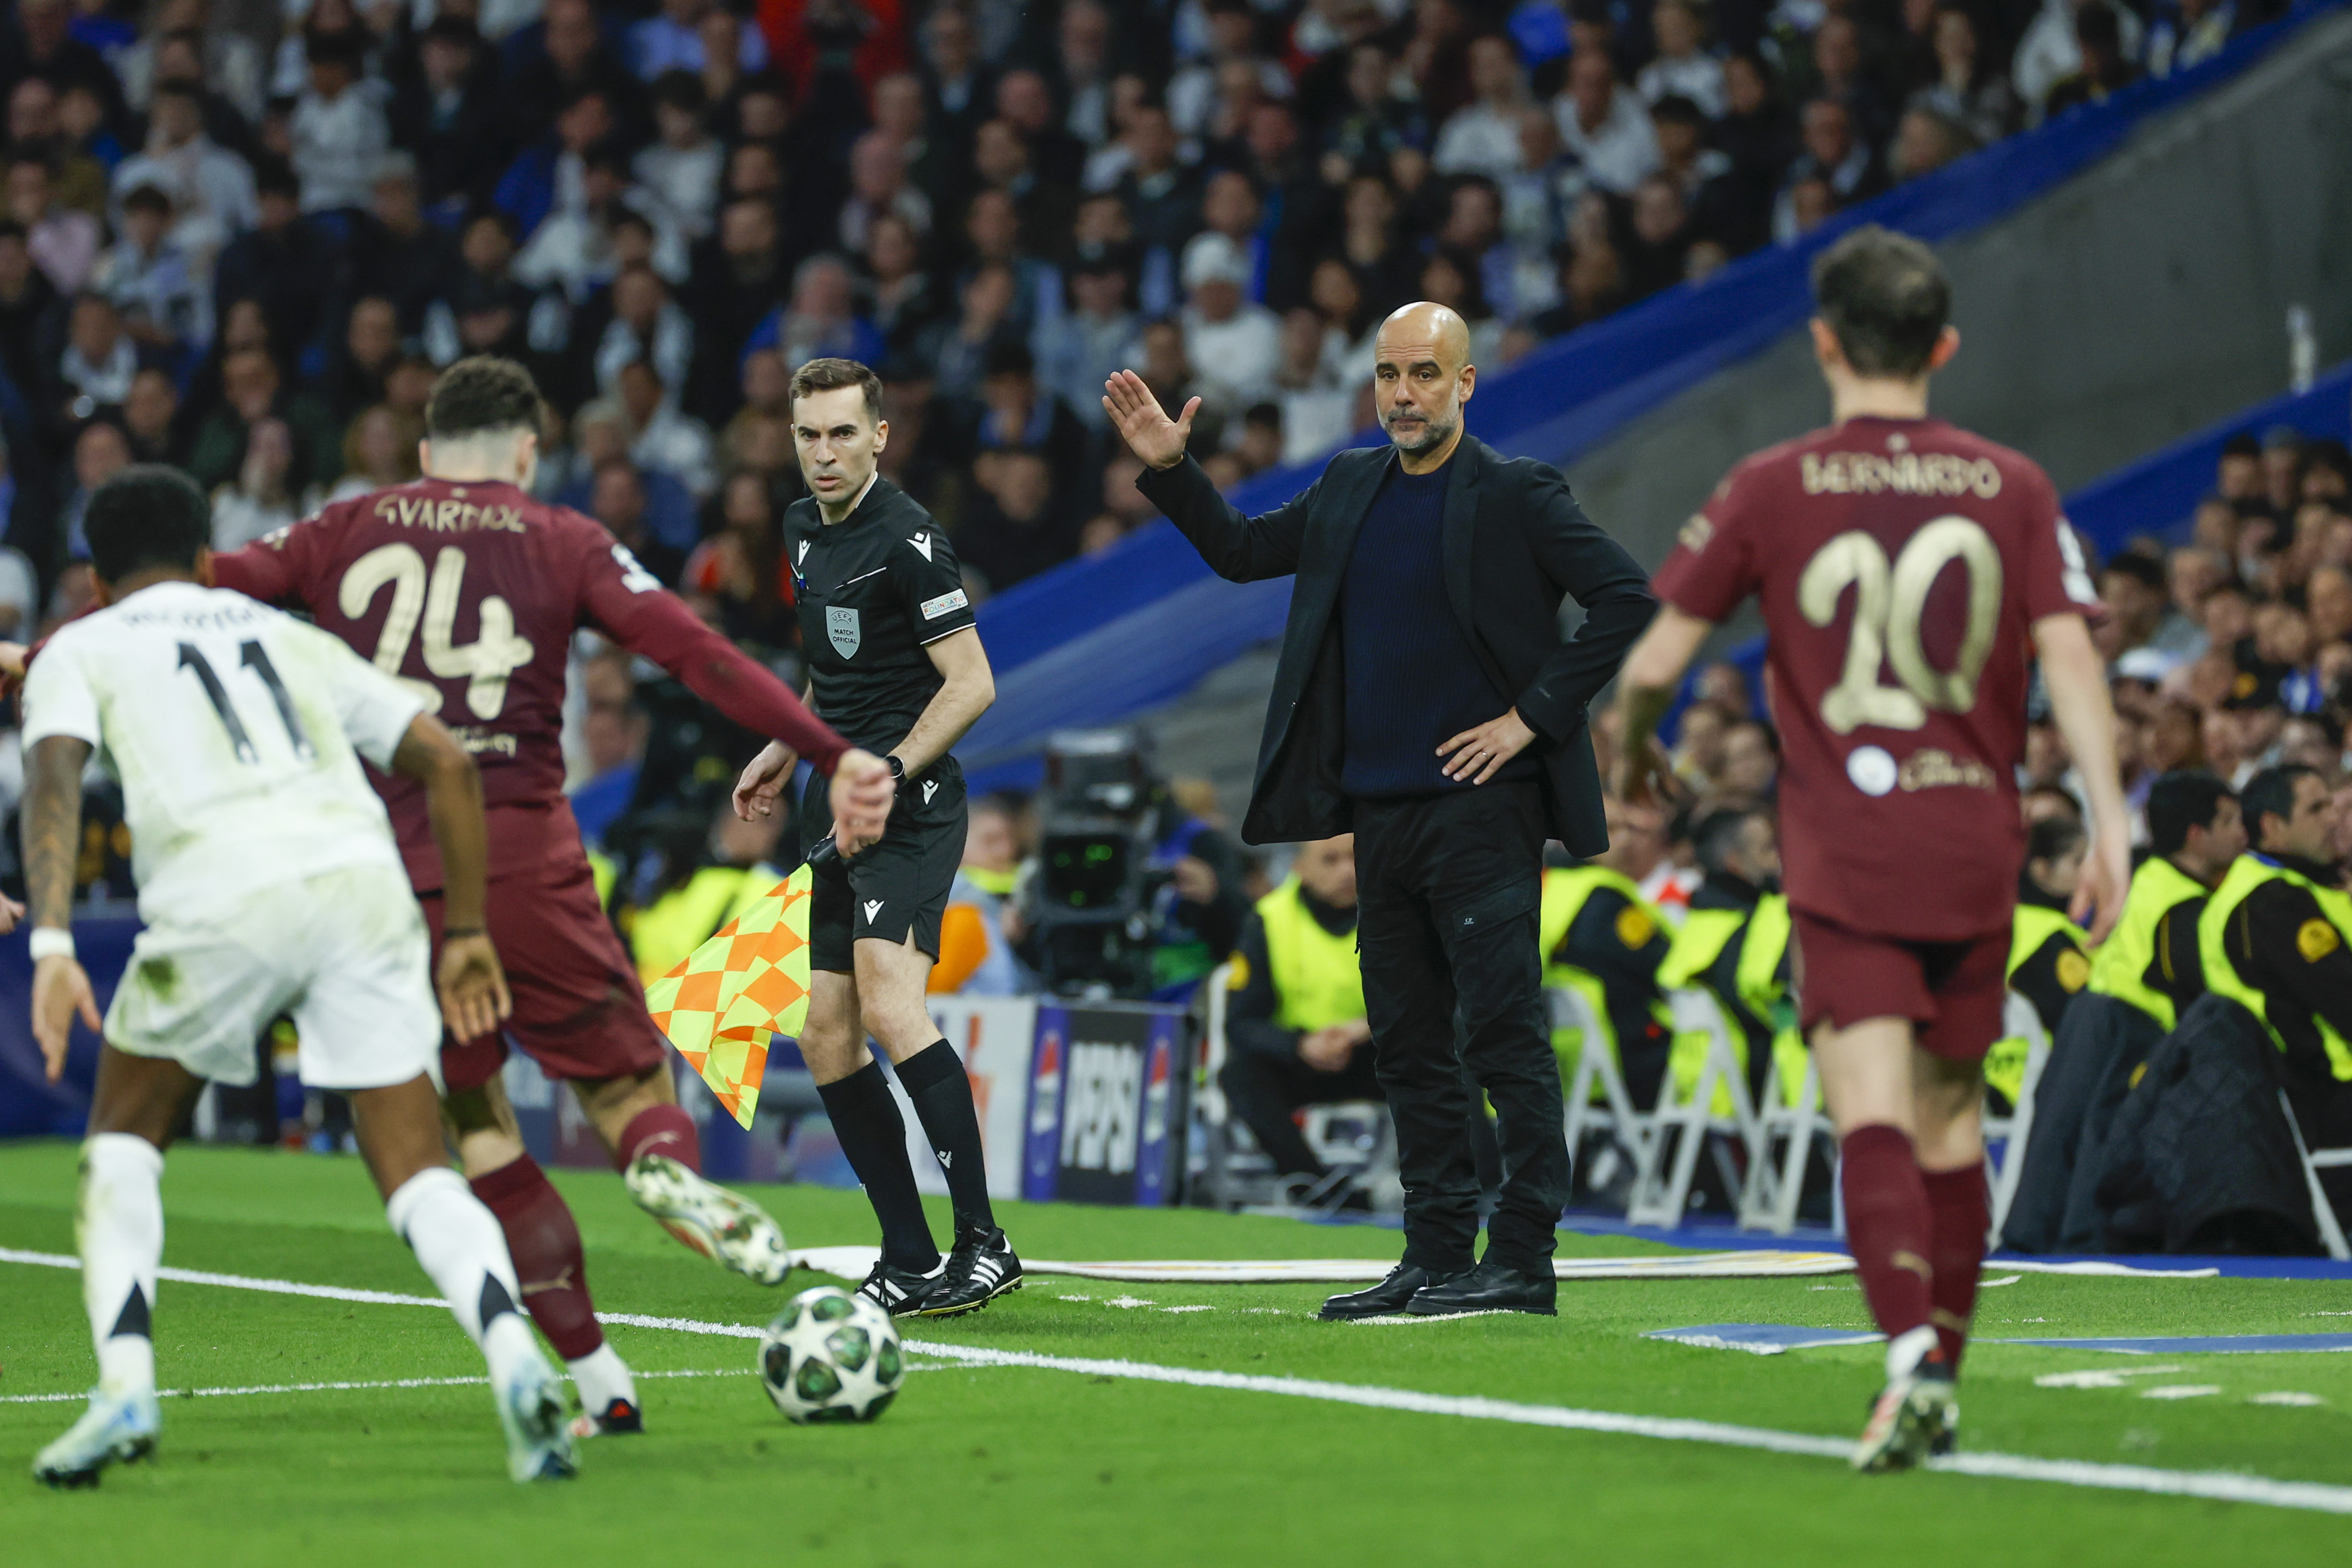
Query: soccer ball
[831, 1356]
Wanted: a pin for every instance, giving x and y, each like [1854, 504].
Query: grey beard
[1433, 436]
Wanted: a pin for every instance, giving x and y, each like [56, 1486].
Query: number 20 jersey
[1900, 565]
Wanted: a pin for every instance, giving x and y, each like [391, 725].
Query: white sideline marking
[2217, 1484]
[340, 1387]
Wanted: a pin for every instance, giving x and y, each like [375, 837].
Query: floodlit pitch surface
[1139, 1432]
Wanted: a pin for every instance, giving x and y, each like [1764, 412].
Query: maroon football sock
[660, 1130]
[1959, 1211]
[545, 1245]
[1886, 1226]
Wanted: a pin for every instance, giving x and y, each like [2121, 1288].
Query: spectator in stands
[2140, 611]
[1017, 525]
[821, 319]
[164, 306]
[1682, 67]
[1969, 88]
[2189, 33]
[1484, 138]
[1078, 351]
[613, 733]
[1607, 127]
[287, 265]
[742, 568]
[982, 923]
[2051, 49]
[2106, 67]
[1924, 140]
[680, 171]
[339, 129]
[447, 112]
[666, 440]
[1234, 345]
[1161, 196]
[211, 188]
[617, 499]
[879, 186]
[379, 451]
[62, 241]
[1295, 1029]
[99, 359]
[1845, 167]
[1373, 122]
[260, 501]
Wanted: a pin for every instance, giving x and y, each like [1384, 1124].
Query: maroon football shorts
[1952, 992]
[579, 1007]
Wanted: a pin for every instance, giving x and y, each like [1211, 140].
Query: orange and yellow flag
[751, 981]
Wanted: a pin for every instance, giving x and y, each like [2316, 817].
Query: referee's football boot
[1390, 1296]
[900, 1291]
[116, 1428]
[982, 1268]
[717, 1224]
[1917, 1415]
[1490, 1288]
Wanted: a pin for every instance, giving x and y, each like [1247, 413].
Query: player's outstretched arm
[473, 987]
[2076, 678]
[1645, 689]
[1237, 548]
[52, 834]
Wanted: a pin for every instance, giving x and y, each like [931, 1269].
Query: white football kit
[268, 875]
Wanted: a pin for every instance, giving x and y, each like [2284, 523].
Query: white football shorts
[344, 953]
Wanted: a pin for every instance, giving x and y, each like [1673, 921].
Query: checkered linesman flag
[751, 980]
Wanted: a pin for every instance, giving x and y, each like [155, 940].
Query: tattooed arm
[52, 830]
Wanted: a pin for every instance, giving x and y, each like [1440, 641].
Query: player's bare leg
[120, 1227]
[656, 1148]
[458, 1240]
[873, 1132]
[1869, 1082]
[890, 988]
[544, 1241]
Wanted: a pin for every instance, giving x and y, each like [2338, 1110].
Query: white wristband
[51, 942]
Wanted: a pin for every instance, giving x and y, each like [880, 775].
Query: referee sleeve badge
[749, 981]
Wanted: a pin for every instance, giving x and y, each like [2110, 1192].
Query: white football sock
[121, 1228]
[602, 1377]
[1906, 1351]
[461, 1245]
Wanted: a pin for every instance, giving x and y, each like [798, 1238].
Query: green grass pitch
[986, 1465]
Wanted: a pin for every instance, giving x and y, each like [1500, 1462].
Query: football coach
[1427, 702]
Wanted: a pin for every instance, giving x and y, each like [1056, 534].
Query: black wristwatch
[897, 768]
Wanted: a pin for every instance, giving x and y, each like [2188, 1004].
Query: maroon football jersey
[1901, 564]
[470, 592]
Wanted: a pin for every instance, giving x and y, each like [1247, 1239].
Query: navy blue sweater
[1413, 682]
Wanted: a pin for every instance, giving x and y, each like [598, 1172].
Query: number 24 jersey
[1900, 564]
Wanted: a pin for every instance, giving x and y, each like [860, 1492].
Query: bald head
[1421, 375]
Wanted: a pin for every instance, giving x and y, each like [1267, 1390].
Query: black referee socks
[934, 1080]
[874, 1136]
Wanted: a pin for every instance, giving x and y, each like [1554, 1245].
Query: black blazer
[1515, 542]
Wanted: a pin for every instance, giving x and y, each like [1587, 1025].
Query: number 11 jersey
[1900, 565]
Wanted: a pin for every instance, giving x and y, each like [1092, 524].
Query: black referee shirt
[873, 590]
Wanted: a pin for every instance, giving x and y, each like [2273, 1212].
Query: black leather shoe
[1490, 1288]
[1404, 1282]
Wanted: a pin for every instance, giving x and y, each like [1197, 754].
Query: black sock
[874, 1135]
[934, 1080]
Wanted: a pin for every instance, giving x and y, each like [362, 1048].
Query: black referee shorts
[897, 885]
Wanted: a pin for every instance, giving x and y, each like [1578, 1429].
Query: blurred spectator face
[1675, 28]
[1216, 299]
[483, 330]
[584, 122]
[2327, 600]
[1261, 442]
[2191, 572]
[95, 328]
[28, 193]
[2058, 875]
[1098, 534]
[409, 385]
[1223, 469]
[1084, 40]
[1724, 684]
[145, 223]
[1829, 132]
[2228, 617]
[1473, 217]
[1956, 45]
[1658, 214]
[1327, 869]
[993, 224]
[752, 171]
[1636, 838]
[373, 335]
[394, 199]
[1011, 396]
[1442, 283]
[1539, 140]
[745, 507]
[445, 62]
[46, 25]
[1271, 135]
[878, 168]
[1369, 71]
[990, 843]
[1023, 486]
[747, 230]
[1591, 87]
[2283, 635]
[331, 78]
[2282, 465]
[1102, 223]
[1121, 497]
[487, 247]
[1814, 201]
[1924, 143]
[1100, 294]
[1699, 745]
[640, 387]
[988, 295]
[1837, 53]
[1230, 206]
[1749, 764]
[32, 111]
[2304, 741]
[1302, 348]
[378, 444]
[2240, 475]
[176, 119]
[571, 34]
[147, 410]
[891, 252]
[249, 382]
[1369, 206]
[1163, 355]
[638, 296]
[614, 729]
[762, 112]
[824, 290]
[1705, 259]
[1679, 141]
[2173, 740]
[1336, 294]
[99, 453]
[767, 384]
[999, 155]
[619, 500]
[1745, 91]
[899, 107]
[1151, 139]
[1495, 71]
[948, 41]
[269, 453]
[1023, 98]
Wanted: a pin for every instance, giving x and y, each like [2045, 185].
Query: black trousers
[1264, 1090]
[1447, 890]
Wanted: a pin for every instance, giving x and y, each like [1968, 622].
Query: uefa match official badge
[842, 629]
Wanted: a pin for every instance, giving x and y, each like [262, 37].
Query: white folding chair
[1768, 1201]
[2019, 1022]
[1596, 1067]
[2315, 1161]
[1662, 1192]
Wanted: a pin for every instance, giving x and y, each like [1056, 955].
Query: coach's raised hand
[1149, 434]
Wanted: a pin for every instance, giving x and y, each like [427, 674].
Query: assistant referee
[1427, 701]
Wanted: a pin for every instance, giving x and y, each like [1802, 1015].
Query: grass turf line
[1013, 1468]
